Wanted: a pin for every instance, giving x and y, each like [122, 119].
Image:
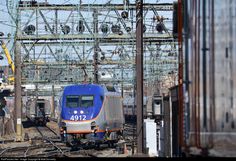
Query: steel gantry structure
[73, 43]
[59, 44]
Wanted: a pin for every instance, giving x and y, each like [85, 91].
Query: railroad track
[56, 149]
[130, 134]
[26, 151]
[48, 144]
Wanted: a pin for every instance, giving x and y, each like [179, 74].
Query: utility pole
[18, 90]
[186, 38]
[180, 79]
[96, 47]
[122, 83]
[139, 75]
[53, 101]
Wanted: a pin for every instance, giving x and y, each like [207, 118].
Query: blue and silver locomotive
[91, 113]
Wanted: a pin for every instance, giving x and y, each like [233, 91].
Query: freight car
[91, 114]
[38, 111]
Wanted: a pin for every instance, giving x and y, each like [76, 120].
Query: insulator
[103, 74]
[83, 67]
[65, 29]
[159, 27]
[29, 30]
[170, 54]
[124, 14]
[154, 18]
[103, 58]
[144, 28]
[48, 80]
[175, 20]
[1, 34]
[138, 5]
[104, 28]
[1, 57]
[128, 29]
[115, 29]
[80, 28]
[96, 72]
[120, 33]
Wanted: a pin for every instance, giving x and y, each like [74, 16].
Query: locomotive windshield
[72, 101]
[86, 101]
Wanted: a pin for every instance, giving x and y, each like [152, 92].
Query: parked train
[38, 111]
[91, 114]
[130, 111]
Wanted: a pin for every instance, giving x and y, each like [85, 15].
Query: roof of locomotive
[91, 89]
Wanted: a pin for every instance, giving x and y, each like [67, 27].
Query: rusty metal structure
[211, 73]
[139, 76]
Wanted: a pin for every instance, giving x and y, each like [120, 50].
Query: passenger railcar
[90, 113]
[130, 110]
[38, 111]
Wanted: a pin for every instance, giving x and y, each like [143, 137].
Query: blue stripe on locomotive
[82, 89]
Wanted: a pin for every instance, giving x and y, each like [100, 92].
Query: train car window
[86, 101]
[72, 101]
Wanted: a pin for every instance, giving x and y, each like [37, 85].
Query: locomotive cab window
[86, 101]
[72, 101]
